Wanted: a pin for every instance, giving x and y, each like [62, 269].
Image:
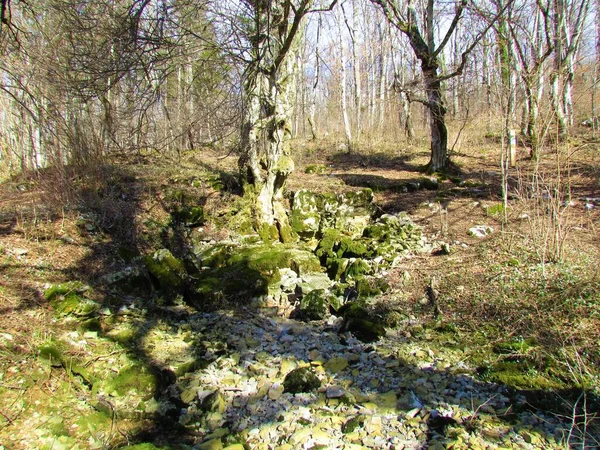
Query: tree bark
[437, 112]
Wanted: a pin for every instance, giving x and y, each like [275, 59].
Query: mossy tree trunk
[269, 89]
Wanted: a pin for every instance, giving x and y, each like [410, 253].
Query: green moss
[95, 421]
[300, 380]
[247, 272]
[515, 346]
[92, 324]
[356, 269]
[351, 248]
[52, 351]
[316, 305]
[328, 245]
[431, 184]
[144, 446]
[168, 271]
[124, 335]
[135, 378]
[268, 232]
[74, 305]
[315, 168]
[336, 267]
[189, 216]
[519, 375]
[370, 287]
[71, 287]
[285, 165]
[364, 329]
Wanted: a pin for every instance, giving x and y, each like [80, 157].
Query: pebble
[358, 380]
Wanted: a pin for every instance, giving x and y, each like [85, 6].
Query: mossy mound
[315, 168]
[167, 271]
[135, 379]
[300, 380]
[317, 305]
[241, 274]
[313, 213]
[67, 299]
[349, 258]
[70, 287]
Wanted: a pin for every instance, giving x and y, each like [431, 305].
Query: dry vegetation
[533, 282]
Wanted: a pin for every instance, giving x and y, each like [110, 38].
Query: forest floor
[508, 358]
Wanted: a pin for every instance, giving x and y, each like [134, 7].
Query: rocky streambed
[241, 344]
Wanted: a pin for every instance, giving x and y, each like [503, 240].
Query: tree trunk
[437, 112]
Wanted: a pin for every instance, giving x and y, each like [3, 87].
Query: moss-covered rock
[360, 322]
[249, 272]
[356, 268]
[61, 289]
[168, 272]
[317, 305]
[371, 287]
[132, 280]
[189, 216]
[67, 299]
[300, 380]
[313, 213]
[364, 329]
[305, 216]
[315, 168]
[74, 305]
[135, 379]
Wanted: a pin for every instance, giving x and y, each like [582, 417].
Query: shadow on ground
[217, 374]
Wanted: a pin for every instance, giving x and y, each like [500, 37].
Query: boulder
[300, 380]
[313, 213]
[167, 271]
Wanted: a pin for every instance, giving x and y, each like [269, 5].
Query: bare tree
[420, 29]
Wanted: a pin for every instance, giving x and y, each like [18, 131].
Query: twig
[7, 418]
